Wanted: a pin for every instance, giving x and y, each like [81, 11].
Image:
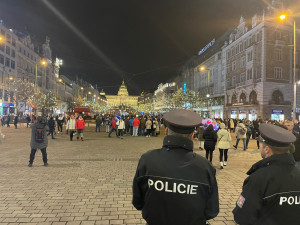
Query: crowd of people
[244, 130]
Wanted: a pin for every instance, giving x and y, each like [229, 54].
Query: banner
[64, 107]
[21, 106]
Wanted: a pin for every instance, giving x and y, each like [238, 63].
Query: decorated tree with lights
[44, 102]
[146, 108]
[23, 90]
[179, 99]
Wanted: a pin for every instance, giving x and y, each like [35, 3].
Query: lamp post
[62, 81]
[43, 63]
[283, 17]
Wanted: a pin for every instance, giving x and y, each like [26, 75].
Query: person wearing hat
[271, 193]
[173, 185]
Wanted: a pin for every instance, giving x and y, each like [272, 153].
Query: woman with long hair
[210, 140]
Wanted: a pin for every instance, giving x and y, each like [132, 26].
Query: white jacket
[121, 125]
[71, 124]
[224, 139]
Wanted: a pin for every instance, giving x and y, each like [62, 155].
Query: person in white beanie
[224, 139]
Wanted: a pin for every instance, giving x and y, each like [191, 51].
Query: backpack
[39, 135]
[242, 131]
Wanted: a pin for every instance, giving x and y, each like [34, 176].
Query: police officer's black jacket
[174, 186]
[271, 193]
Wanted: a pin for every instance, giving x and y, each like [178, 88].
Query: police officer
[271, 193]
[173, 185]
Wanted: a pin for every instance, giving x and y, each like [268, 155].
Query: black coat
[210, 139]
[273, 184]
[175, 186]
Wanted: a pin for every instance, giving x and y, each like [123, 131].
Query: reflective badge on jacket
[240, 201]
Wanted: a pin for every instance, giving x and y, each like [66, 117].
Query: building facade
[259, 68]
[122, 98]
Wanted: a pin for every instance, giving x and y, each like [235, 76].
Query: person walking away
[131, 126]
[148, 127]
[80, 124]
[71, 126]
[142, 126]
[290, 126]
[60, 121]
[231, 125]
[39, 139]
[127, 125]
[270, 194]
[223, 145]
[8, 120]
[16, 120]
[51, 124]
[107, 124]
[210, 140]
[121, 127]
[28, 120]
[113, 127]
[240, 133]
[199, 133]
[156, 127]
[98, 123]
[296, 128]
[249, 127]
[173, 185]
[2, 121]
[135, 124]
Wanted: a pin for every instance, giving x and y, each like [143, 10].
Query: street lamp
[283, 17]
[43, 63]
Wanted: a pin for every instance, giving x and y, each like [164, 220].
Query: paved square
[89, 182]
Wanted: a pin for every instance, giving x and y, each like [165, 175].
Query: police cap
[275, 135]
[182, 121]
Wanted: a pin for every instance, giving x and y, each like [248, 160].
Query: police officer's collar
[277, 158]
[171, 141]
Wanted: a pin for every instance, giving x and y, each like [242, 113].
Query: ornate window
[233, 99]
[253, 97]
[277, 97]
[243, 98]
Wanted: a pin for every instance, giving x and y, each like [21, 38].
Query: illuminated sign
[184, 88]
[207, 46]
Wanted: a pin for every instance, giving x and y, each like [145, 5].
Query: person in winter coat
[80, 127]
[60, 122]
[224, 139]
[290, 126]
[113, 127]
[98, 123]
[240, 133]
[148, 127]
[121, 127]
[210, 140]
[39, 139]
[200, 136]
[51, 124]
[155, 127]
[8, 120]
[16, 120]
[231, 124]
[142, 126]
[71, 126]
[135, 124]
[28, 120]
[250, 128]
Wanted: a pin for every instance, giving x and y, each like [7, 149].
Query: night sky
[142, 42]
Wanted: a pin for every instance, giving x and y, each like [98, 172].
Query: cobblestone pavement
[89, 182]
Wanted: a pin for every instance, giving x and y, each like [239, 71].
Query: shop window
[233, 99]
[243, 98]
[253, 97]
[277, 97]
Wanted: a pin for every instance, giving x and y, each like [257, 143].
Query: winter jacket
[296, 154]
[136, 122]
[98, 120]
[156, 126]
[113, 123]
[200, 133]
[71, 124]
[143, 123]
[80, 124]
[224, 139]
[148, 124]
[210, 139]
[121, 125]
[51, 124]
[239, 128]
[33, 143]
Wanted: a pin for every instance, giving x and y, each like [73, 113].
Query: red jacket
[80, 124]
[136, 122]
[113, 123]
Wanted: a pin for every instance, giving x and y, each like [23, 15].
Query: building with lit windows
[122, 98]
